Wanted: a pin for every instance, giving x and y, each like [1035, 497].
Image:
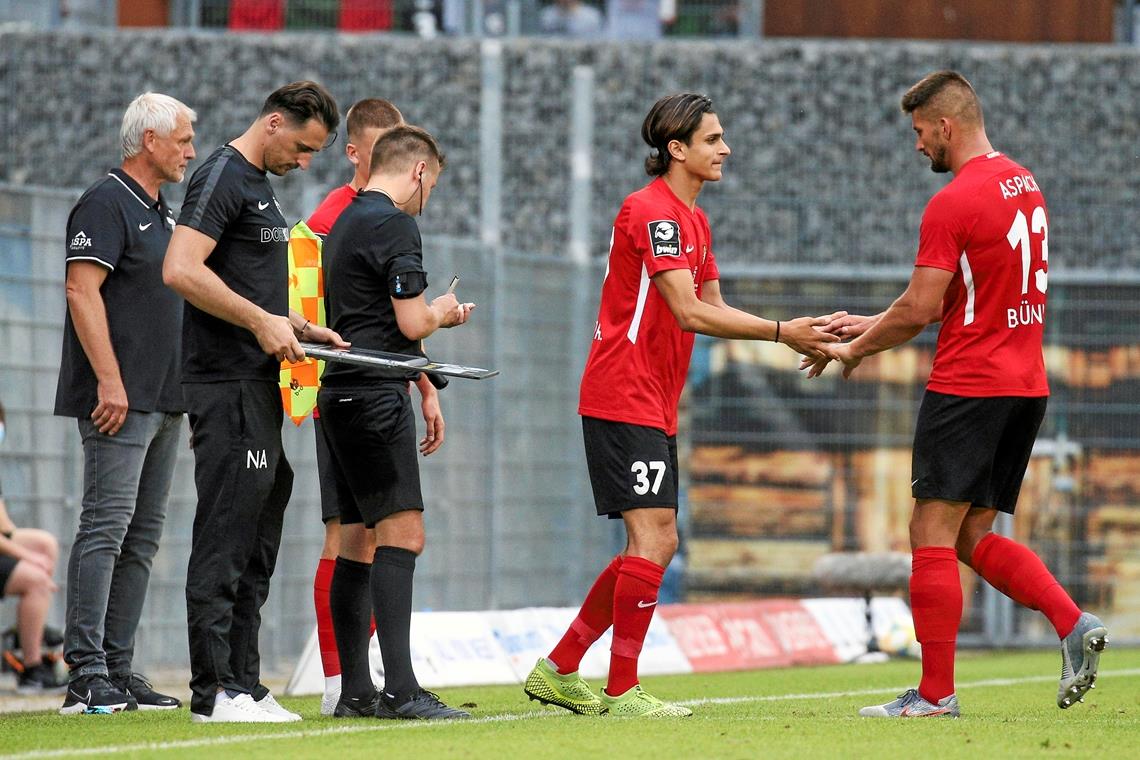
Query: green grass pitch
[1007, 699]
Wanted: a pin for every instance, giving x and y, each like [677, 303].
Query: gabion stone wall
[823, 168]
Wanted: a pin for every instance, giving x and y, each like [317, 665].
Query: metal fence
[509, 514]
[783, 470]
[777, 470]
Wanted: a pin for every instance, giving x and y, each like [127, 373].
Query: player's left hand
[433, 422]
[814, 366]
[317, 334]
[843, 353]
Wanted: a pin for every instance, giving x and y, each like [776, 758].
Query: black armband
[407, 284]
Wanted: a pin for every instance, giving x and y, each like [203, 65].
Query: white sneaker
[239, 709]
[272, 707]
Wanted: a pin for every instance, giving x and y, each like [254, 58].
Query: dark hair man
[662, 286]
[228, 259]
[366, 120]
[119, 378]
[982, 270]
[375, 284]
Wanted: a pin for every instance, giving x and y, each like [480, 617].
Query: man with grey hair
[120, 378]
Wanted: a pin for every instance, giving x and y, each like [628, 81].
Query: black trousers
[243, 482]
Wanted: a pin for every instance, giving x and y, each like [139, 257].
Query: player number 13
[1018, 237]
[641, 472]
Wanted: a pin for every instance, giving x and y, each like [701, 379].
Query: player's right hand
[276, 337]
[801, 336]
[454, 312]
[850, 325]
[111, 411]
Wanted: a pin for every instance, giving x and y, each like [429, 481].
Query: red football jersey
[989, 226]
[322, 219]
[640, 356]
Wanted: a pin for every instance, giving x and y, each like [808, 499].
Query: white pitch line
[303, 734]
[425, 724]
[990, 682]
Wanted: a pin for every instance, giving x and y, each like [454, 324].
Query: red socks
[635, 599]
[1016, 571]
[936, 604]
[593, 620]
[330, 661]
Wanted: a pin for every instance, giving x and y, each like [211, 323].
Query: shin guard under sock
[594, 618]
[1016, 571]
[936, 603]
[349, 611]
[635, 599]
[391, 587]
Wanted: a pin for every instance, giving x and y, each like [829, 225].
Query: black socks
[391, 586]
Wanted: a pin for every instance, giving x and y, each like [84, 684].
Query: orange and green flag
[300, 382]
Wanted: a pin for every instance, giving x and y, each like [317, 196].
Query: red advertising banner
[750, 635]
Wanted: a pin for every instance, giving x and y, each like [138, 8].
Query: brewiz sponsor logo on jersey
[665, 238]
[262, 205]
[256, 460]
[274, 235]
[80, 241]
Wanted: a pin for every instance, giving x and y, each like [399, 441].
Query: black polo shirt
[117, 225]
[372, 254]
[231, 201]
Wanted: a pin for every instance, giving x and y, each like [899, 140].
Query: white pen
[454, 282]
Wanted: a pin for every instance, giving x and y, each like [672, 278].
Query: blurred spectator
[257, 15]
[571, 18]
[639, 19]
[365, 15]
[27, 563]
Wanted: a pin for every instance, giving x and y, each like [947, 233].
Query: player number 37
[641, 471]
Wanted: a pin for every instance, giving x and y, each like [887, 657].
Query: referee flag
[300, 382]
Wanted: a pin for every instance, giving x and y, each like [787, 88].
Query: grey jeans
[126, 483]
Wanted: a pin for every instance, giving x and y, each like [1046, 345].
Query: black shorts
[974, 449]
[631, 466]
[372, 451]
[330, 510]
[7, 565]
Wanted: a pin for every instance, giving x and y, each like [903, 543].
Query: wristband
[777, 338]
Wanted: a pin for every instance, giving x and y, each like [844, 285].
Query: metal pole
[475, 18]
[1130, 21]
[490, 213]
[751, 19]
[581, 169]
[491, 144]
[581, 236]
